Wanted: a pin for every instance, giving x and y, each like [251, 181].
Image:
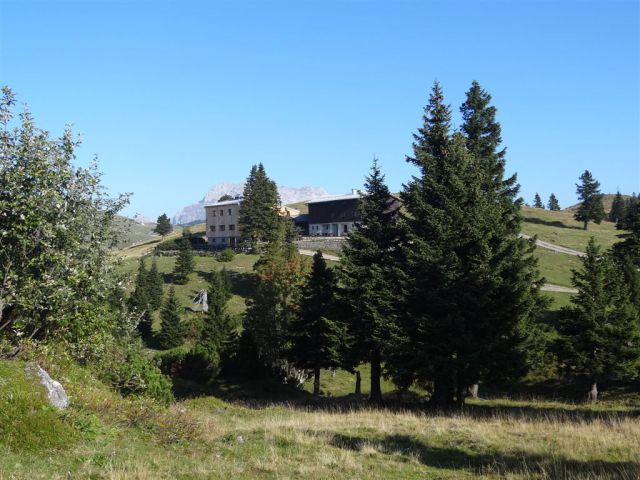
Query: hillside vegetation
[103, 435]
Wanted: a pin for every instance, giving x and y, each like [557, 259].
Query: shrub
[201, 364]
[226, 255]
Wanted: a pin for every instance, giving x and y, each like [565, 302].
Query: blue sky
[175, 96]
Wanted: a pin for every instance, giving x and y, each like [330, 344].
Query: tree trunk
[592, 396]
[358, 383]
[586, 225]
[473, 390]
[316, 381]
[376, 392]
[461, 390]
[442, 393]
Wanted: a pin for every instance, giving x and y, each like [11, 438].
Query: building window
[345, 228]
[221, 212]
[229, 212]
[213, 213]
[232, 227]
[222, 228]
[212, 228]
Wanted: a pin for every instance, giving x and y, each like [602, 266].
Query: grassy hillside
[102, 435]
[561, 229]
[607, 200]
[133, 232]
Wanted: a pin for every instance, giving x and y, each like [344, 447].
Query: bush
[226, 255]
[197, 242]
[131, 373]
[201, 364]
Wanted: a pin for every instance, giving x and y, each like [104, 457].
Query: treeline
[442, 294]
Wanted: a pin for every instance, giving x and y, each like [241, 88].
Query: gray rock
[57, 396]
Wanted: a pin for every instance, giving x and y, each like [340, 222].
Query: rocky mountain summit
[195, 213]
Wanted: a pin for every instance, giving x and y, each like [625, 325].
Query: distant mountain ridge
[195, 212]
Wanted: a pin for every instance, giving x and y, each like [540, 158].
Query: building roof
[222, 204]
[334, 198]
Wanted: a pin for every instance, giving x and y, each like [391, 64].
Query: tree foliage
[184, 263]
[56, 275]
[369, 280]
[600, 332]
[317, 335]
[590, 208]
[259, 216]
[172, 331]
[618, 209]
[537, 201]
[553, 203]
[163, 225]
[473, 285]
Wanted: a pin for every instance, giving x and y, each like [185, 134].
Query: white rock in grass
[57, 396]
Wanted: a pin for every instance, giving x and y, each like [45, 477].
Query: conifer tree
[139, 300]
[259, 214]
[591, 208]
[163, 225]
[473, 286]
[184, 263]
[600, 332]
[553, 203]
[217, 330]
[172, 331]
[537, 201]
[155, 283]
[368, 276]
[317, 334]
[618, 208]
[274, 304]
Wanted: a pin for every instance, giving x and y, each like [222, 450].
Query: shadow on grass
[549, 223]
[262, 393]
[545, 466]
[241, 283]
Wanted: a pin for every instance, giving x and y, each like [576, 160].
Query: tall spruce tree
[473, 287]
[184, 263]
[537, 201]
[553, 203]
[317, 334]
[368, 274]
[600, 332]
[172, 331]
[139, 301]
[163, 225]
[618, 208]
[590, 208]
[218, 329]
[259, 211]
[627, 251]
[155, 283]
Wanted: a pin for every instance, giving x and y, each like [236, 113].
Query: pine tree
[218, 329]
[473, 286]
[553, 203]
[163, 225]
[618, 208]
[139, 301]
[184, 263]
[591, 208]
[155, 283]
[537, 201]
[627, 251]
[172, 332]
[317, 334]
[259, 217]
[600, 332]
[368, 277]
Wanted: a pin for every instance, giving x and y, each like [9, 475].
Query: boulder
[55, 391]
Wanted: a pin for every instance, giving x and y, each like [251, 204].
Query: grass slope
[103, 435]
[561, 229]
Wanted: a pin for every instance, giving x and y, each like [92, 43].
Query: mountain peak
[195, 213]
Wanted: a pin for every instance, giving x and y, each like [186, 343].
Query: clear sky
[175, 96]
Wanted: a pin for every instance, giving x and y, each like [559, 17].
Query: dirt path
[326, 256]
[549, 287]
[555, 248]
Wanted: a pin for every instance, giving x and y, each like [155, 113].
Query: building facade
[333, 216]
[223, 228]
